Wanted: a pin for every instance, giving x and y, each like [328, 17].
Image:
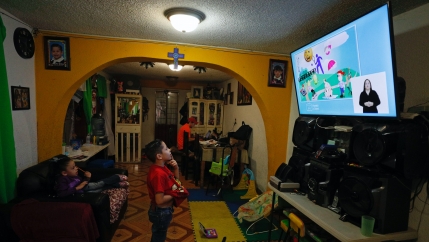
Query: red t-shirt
[161, 180]
[180, 137]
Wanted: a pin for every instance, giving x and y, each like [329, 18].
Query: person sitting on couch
[69, 182]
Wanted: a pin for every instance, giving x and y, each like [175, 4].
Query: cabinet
[209, 114]
[128, 127]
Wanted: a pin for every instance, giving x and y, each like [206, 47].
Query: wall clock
[24, 43]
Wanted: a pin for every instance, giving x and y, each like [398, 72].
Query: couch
[37, 182]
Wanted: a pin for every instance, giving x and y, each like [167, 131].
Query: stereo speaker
[400, 148]
[283, 172]
[323, 182]
[375, 142]
[309, 133]
[380, 195]
[297, 161]
[303, 133]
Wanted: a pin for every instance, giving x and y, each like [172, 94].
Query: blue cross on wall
[175, 55]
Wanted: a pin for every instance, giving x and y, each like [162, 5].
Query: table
[209, 154]
[330, 221]
[90, 151]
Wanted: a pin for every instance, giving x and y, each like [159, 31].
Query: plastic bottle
[88, 139]
[63, 148]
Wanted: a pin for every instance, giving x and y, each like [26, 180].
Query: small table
[89, 151]
[330, 221]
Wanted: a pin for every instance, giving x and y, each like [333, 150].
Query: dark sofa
[37, 182]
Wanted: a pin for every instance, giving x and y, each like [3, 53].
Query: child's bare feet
[123, 178]
[124, 184]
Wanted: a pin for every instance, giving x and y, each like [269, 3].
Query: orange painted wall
[90, 54]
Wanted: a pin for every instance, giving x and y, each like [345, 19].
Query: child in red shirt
[164, 190]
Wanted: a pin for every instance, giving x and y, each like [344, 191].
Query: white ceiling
[272, 26]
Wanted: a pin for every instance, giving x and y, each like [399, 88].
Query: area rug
[215, 215]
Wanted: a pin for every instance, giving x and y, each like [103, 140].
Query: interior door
[166, 116]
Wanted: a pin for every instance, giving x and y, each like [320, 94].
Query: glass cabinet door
[211, 114]
[201, 121]
[218, 114]
[128, 109]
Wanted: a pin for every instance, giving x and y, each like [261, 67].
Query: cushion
[101, 163]
[117, 197]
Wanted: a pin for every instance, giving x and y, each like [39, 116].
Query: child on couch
[68, 181]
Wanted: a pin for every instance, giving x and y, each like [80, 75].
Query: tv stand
[329, 221]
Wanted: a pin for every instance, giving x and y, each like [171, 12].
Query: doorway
[166, 116]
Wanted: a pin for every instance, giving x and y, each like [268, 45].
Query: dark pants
[160, 218]
[103, 184]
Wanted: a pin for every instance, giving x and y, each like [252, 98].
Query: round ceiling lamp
[184, 19]
[179, 67]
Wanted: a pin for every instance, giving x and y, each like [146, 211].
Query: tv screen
[350, 71]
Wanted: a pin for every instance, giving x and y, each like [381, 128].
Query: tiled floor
[136, 226]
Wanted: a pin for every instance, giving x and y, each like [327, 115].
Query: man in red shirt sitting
[185, 128]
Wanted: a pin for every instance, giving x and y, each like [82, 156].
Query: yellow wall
[89, 55]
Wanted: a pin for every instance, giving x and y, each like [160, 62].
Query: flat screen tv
[349, 72]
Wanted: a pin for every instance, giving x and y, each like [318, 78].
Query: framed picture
[243, 96]
[57, 53]
[231, 98]
[277, 73]
[228, 89]
[197, 91]
[225, 99]
[215, 94]
[20, 98]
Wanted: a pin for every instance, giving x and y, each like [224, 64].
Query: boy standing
[160, 183]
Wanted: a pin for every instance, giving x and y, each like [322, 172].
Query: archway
[89, 55]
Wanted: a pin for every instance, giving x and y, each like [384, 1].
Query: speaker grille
[303, 133]
[369, 147]
[355, 197]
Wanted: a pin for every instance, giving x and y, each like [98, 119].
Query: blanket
[54, 221]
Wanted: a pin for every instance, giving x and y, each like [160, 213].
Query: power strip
[343, 128]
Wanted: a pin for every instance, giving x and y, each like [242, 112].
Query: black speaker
[297, 161]
[303, 133]
[323, 182]
[380, 195]
[413, 146]
[283, 172]
[375, 142]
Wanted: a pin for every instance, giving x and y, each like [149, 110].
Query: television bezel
[394, 70]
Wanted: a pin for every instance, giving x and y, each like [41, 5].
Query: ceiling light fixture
[179, 67]
[184, 19]
[199, 69]
[147, 64]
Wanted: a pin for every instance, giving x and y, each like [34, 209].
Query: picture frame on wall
[197, 91]
[243, 96]
[231, 98]
[57, 53]
[277, 73]
[20, 98]
[225, 99]
[228, 88]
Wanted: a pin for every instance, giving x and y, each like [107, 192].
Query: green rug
[214, 215]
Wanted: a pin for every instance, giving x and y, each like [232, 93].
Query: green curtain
[102, 86]
[87, 103]
[7, 141]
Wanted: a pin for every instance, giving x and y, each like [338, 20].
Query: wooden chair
[189, 161]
